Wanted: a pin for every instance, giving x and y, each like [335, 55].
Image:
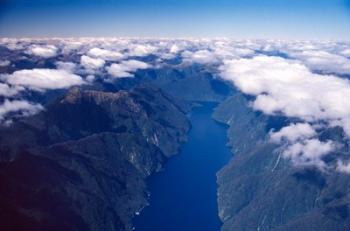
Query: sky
[275, 19]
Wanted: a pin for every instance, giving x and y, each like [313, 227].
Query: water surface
[183, 196]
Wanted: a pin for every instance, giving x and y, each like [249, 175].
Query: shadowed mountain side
[191, 83]
[81, 163]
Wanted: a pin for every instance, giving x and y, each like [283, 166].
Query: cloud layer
[42, 79]
[91, 63]
[21, 106]
[287, 87]
[105, 54]
[46, 51]
[126, 68]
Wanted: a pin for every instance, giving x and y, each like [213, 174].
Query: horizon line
[168, 38]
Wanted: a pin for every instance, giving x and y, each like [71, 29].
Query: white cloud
[22, 106]
[4, 63]
[12, 43]
[174, 49]
[70, 46]
[225, 50]
[300, 147]
[309, 153]
[343, 167]
[105, 54]
[117, 70]
[45, 51]
[288, 87]
[91, 63]
[141, 49]
[293, 133]
[41, 79]
[346, 52]
[90, 78]
[215, 52]
[6, 90]
[200, 56]
[67, 66]
[126, 68]
[320, 60]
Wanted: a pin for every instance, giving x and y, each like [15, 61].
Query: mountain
[190, 83]
[82, 163]
[260, 190]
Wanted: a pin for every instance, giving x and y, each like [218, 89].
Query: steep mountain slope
[260, 190]
[81, 164]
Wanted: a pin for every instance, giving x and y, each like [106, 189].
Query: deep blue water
[183, 196]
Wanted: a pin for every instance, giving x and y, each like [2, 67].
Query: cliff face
[82, 163]
[259, 190]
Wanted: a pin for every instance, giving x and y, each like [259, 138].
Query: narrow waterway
[183, 196]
